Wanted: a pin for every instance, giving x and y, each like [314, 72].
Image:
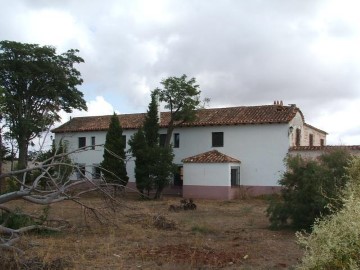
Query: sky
[240, 52]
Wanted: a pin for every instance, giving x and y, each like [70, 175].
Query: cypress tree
[113, 166]
[162, 168]
[139, 150]
[154, 166]
[151, 123]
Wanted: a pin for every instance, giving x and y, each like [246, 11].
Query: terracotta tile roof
[205, 117]
[213, 156]
[324, 148]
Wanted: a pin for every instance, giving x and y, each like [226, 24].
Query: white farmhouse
[225, 152]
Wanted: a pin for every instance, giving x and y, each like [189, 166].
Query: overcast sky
[241, 52]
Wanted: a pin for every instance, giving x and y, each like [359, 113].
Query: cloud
[98, 106]
[240, 52]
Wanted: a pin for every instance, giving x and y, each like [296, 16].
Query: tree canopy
[154, 164]
[182, 98]
[310, 189]
[36, 84]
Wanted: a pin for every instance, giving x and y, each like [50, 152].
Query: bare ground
[146, 235]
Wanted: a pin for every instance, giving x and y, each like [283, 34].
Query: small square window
[217, 139]
[82, 142]
[176, 140]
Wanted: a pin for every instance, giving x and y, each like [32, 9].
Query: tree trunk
[158, 194]
[169, 133]
[23, 155]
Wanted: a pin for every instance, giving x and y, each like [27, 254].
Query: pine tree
[113, 166]
[151, 124]
[162, 169]
[139, 150]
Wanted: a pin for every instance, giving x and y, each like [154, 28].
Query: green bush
[335, 240]
[18, 219]
[310, 188]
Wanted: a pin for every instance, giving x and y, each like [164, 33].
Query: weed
[203, 229]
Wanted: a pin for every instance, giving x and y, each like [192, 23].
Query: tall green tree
[142, 143]
[310, 189]
[154, 164]
[162, 169]
[151, 123]
[113, 165]
[182, 98]
[139, 150]
[37, 83]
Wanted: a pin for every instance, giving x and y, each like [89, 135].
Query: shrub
[16, 219]
[335, 240]
[310, 188]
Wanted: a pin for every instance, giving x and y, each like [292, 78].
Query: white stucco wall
[260, 148]
[317, 136]
[298, 123]
[91, 157]
[207, 174]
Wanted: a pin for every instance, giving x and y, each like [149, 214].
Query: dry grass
[219, 234]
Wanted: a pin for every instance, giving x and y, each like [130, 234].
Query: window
[322, 142]
[80, 172]
[162, 139]
[96, 173]
[93, 143]
[235, 176]
[217, 139]
[178, 177]
[176, 140]
[82, 142]
[311, 139]
[124, 140]
[298, 136]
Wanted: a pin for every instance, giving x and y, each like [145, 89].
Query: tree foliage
[36, 83]
[153, 164]
[182, 98]
[151, 123]
[113, 165]
[162, 170]
[335, 240]
[310, 188]
[139, 149]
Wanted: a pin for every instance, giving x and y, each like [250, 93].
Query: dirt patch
[217, 235]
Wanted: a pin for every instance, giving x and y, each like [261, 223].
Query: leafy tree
[335, 240]
[310, 188]
[182, 98]
[37, 83]
[113, 166]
